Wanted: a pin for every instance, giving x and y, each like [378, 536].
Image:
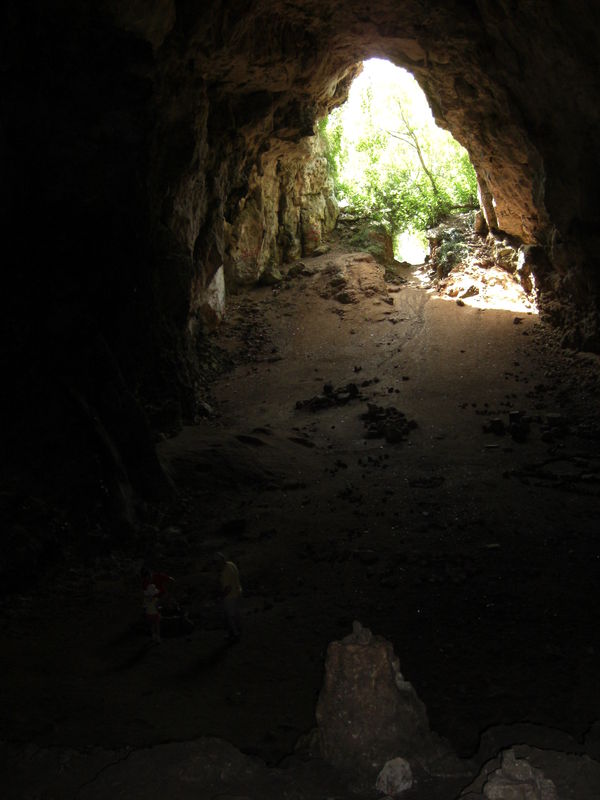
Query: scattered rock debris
[568, 472]
[330, 397]
[519, 425]
[387, 423]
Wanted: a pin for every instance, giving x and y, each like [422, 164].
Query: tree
[409, 136]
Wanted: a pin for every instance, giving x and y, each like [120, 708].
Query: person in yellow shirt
[231, 592]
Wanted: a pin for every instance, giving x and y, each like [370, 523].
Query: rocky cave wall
[289, 207]
[143, 141]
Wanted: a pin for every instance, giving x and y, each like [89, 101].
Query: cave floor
[475, 553]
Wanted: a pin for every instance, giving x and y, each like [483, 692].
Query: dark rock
[331, 397]
[295, 270]
[495, 425]
[345, 297]
[522, 772]
[387, 423]
[270, 277]
[480, 225]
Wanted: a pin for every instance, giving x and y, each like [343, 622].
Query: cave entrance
[395, 169]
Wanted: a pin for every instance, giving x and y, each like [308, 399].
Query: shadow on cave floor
[467, 539]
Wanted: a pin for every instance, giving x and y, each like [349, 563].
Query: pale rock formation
[207, 304]
[289, 207]
[368, 714]
[395, 778]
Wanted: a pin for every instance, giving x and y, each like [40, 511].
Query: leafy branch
[409, 137]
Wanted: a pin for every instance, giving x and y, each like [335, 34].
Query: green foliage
[388, 159]
[451, 251]
[331, 131]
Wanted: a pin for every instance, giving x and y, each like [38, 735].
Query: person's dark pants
[233, 617]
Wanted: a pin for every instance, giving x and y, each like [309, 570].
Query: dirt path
[471, 551]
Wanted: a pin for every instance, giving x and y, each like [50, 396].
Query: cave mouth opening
[393, 165]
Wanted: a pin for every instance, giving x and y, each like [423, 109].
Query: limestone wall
[290, 205]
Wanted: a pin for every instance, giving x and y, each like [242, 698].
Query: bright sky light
[389, 81]
[384, 83]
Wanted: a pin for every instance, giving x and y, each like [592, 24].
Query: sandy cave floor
[477, 555]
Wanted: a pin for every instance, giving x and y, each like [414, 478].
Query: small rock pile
[387, 423]
[330, 397]
[552, 426]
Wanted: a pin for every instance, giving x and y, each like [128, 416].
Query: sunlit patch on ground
[480, 287]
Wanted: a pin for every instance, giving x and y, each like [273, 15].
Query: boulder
[368, 714]
[518, 780]
[395, 778]
[528, 773]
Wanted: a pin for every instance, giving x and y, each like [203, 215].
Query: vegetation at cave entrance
[389, 160]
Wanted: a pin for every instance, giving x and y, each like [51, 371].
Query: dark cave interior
[140, 140]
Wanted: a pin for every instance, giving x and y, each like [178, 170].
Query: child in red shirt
[155, 586]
